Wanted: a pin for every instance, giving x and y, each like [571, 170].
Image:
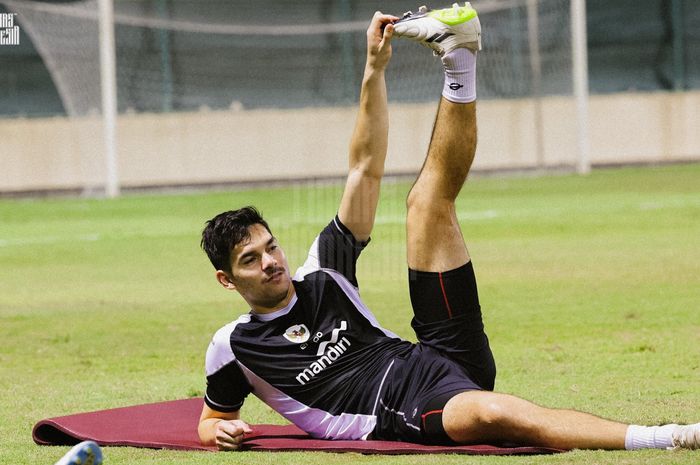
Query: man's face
[260, 270]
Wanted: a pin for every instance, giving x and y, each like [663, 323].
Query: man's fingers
[378, 15]
[230, 434]
[380, 22]
[229, 437]
[224, 441]
[388, 32]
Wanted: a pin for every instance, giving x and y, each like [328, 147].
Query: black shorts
[452, 356]
[447, 317]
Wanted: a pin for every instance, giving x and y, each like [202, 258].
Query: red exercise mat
[173, 425]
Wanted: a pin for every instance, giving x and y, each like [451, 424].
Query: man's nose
[268, 261]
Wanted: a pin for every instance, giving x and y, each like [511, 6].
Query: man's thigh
[413, 384]
[447, 317]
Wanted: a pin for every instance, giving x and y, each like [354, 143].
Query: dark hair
[225, 231]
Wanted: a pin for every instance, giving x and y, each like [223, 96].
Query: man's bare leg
[478, 417]
[434, 238]
[435, 242]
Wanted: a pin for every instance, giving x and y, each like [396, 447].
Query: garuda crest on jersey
[297, 333]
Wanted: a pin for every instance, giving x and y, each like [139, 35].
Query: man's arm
[224, 430]
[368, 145]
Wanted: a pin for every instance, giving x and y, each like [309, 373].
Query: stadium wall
[228, 147]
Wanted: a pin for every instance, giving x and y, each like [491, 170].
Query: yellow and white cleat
[442, 30]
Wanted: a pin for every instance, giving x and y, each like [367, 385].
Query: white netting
[182, 55]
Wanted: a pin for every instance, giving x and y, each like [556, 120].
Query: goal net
[192, 56]
[182, 55]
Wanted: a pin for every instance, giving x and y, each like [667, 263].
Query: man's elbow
[366, 173]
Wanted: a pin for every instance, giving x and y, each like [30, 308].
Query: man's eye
[273, 247]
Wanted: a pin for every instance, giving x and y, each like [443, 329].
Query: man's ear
[225, 280]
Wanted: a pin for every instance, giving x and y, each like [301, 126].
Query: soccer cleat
[686, 437]
[85, 453]
[442, 30]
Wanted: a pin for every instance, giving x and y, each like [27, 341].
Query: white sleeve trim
[335, 222]
[220, 353]
[311, 264]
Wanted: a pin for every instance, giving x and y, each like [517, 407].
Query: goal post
[108, 86]
[580, 76]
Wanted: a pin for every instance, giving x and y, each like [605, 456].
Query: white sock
[649, 437]
[460, 75]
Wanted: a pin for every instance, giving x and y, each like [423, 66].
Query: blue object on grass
[85, 453]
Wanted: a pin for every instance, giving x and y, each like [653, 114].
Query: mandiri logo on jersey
[328, 352]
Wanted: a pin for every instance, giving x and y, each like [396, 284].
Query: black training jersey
[320, 361]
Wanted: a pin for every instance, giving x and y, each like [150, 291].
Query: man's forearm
[370, 138]
[369, 141]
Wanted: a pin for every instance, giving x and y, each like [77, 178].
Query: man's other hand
[230, 434]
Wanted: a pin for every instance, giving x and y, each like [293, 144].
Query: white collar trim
[277, 313]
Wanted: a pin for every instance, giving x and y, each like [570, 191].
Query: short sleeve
[226, 389]
[334, 248]
[227, 386]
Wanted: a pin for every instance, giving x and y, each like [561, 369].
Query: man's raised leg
[435, 244]
[442, 283]
[434, 238]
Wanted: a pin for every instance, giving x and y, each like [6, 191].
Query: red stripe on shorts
[425, 415]
[444, 295]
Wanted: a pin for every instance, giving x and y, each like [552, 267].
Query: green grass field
[590, 288]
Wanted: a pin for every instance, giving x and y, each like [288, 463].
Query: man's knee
[475, 415]
[482, 407]
[490, 410]
[420, 204]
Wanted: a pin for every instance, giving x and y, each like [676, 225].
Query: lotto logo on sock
[455, 86]
[9, 32]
